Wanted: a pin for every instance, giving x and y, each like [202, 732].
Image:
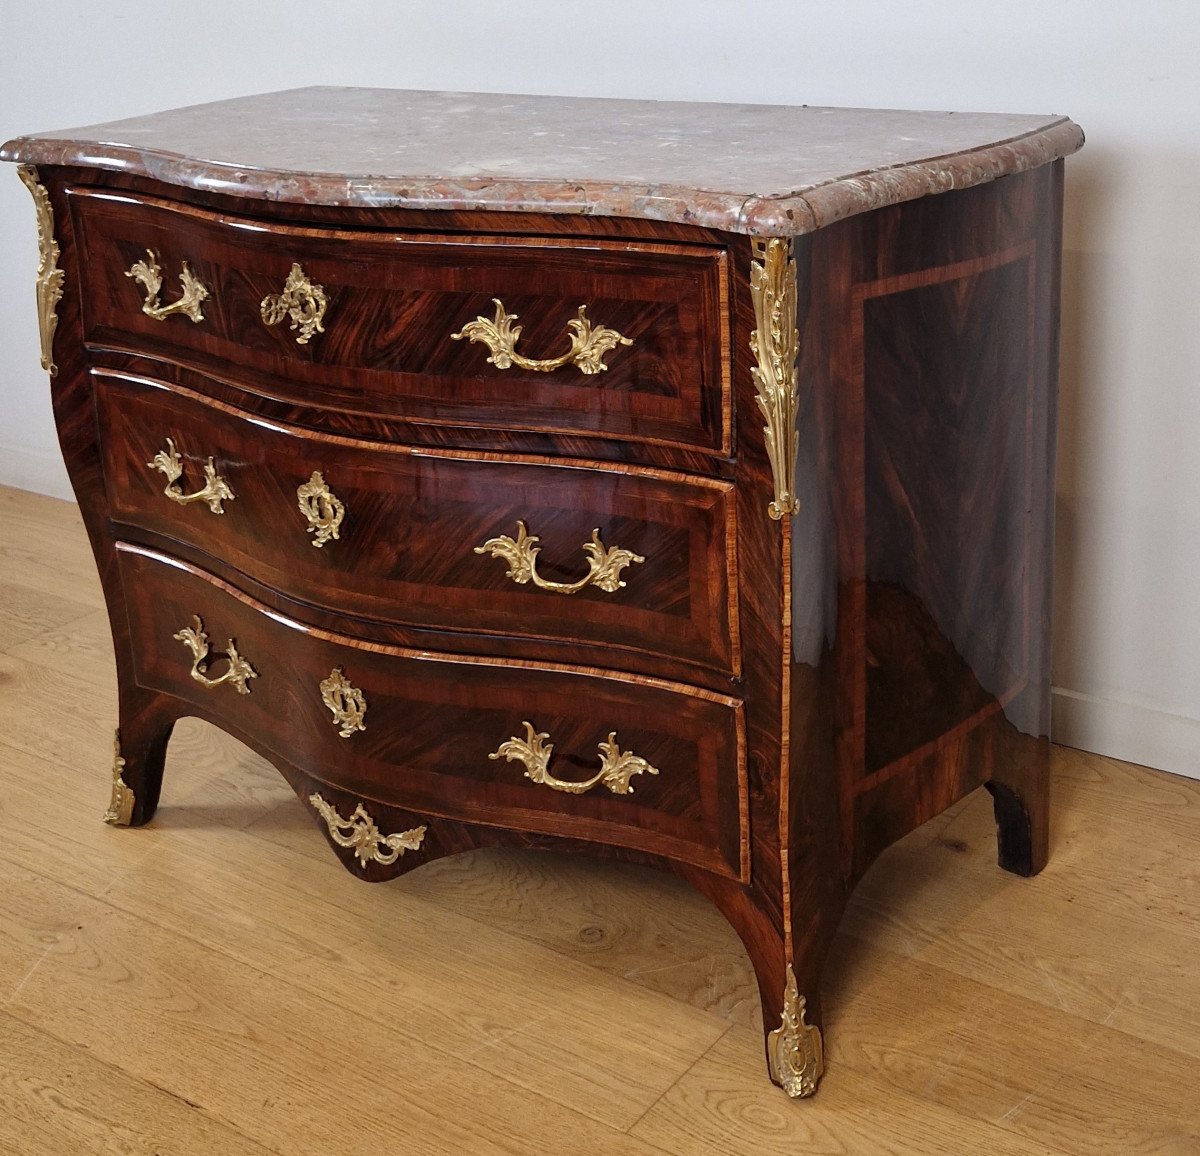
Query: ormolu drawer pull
[216, 490]
[149, 276]
[240, 671]
[617, 767]
[360, 833]
[604, 564]
[302, 300]
[588, 344]
[345, 702]
[321, 509]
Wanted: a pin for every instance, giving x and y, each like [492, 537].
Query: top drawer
[390, 303]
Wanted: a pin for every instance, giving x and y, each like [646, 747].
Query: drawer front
[392, 303]
[418, 730]
[411, 529]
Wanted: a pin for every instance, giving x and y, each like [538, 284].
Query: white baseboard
[43, 473]
[1124, 730]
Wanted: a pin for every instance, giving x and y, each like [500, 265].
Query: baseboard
[1124, 730]
[43, 473]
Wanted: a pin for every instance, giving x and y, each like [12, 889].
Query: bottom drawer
[582, 753]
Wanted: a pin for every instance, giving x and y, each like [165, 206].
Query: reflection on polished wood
[836, 632]
[136, 966]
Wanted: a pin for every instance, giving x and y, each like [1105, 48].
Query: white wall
[1127, 655]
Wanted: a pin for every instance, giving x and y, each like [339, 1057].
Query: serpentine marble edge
[763, 170]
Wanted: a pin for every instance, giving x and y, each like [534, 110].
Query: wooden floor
[217, 983]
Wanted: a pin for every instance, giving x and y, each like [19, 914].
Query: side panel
[943, 375]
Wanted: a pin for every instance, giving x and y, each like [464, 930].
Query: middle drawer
[631, 559]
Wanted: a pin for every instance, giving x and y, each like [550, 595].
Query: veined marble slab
[765, 170]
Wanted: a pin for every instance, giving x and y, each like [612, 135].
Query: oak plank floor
[217, 983]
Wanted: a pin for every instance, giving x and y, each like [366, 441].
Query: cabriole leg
[1020, 792]
[795, 1052]
[139, 752]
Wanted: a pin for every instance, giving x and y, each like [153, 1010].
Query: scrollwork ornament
[345, 702]
[589, 342]
[120, 807]
[795, 1054]
[520, 554]
[237, 674]
[214, 492]
[363, 837]
[192, 295]
[302, 301]
[775, 343]
[322, 509]
[49, 276]
[617, 767]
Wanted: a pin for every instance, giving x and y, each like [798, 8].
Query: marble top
[765, 170]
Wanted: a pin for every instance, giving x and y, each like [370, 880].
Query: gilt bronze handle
[589, 343]
[149, 275]
[617, 767]
[239, 672]
[604, 563]
[215, 491]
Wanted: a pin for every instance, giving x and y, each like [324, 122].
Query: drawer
[410, 544]
[669, 779]
[392, 303]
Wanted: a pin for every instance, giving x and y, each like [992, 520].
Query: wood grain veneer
[810, 688]
[406, 547]
[394, 299]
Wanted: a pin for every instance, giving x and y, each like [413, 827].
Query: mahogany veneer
[395, 298]
[787, 665]
[429, 717]
[414, 521]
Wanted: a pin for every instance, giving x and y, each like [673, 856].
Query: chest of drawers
[676, 487]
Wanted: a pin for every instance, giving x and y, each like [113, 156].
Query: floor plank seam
[60, 628]
[125, 1074]
[12, 995]
[311, 989]
[667, 1091]
[509, 933]
[84, 612]
[1021, 1058]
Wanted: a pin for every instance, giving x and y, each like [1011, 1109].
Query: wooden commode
[672, 482]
